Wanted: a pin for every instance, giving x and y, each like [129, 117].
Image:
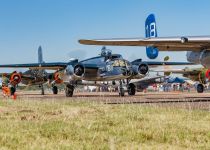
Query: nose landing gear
[69, 90]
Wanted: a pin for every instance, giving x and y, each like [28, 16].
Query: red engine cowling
[57, 78]
[15, 78]
[208, 74]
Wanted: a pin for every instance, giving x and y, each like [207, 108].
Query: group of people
[173, 87]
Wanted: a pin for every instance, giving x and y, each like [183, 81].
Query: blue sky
[57, 25]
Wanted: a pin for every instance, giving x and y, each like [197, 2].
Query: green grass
[68, 124]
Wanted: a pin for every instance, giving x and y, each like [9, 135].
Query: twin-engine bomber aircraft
[198, 47]
[200, 75]
[33, 77]
[106, 67]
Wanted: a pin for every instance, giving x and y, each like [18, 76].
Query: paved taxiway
[168, 99]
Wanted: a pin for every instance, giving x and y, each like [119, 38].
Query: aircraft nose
[126, 71]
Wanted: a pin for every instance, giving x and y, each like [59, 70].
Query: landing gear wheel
[69, 90]
[12, 91]
[200, 88]
[121, 92]
[131, 89]
[55, 90]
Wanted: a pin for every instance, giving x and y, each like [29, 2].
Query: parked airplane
[33, 77]
[197, 47]
[106, 67]
[200, 75]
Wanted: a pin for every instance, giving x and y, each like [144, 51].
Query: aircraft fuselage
[36, 77]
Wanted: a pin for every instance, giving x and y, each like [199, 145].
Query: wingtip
[86, 42]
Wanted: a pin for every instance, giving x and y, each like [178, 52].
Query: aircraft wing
[147, 79]
[160, 63]
[23, 76]
[181, 71]
[50, 66]
[188, 43]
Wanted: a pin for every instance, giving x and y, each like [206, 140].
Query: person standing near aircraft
[7, 87]
[5, 80]
[5, 83]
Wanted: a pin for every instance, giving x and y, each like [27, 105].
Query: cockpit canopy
[120, 63]
[107, 53]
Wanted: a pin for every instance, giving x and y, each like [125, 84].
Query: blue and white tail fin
[40, 55]
[151, 32]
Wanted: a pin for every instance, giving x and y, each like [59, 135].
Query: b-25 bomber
[32, 76]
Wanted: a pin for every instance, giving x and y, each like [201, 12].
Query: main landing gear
[130, 87]
[69, 90]
[200, 88]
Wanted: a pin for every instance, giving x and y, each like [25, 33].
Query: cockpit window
[120, 63]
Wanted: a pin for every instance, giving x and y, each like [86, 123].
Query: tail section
[151, 32]
[40, 55]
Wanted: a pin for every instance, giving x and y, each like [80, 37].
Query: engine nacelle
[140, 70]
[58, 78]
[204, 59]
[55, 78]
[193, 57]
[152, 52]
[15, 78]
[79, 70]
[143, 69]
[207, 74]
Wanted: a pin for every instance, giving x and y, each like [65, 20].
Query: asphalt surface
[186, 100]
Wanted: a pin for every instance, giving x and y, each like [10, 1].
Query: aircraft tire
[69, 90]
[121, 92]
[200, 88]
[131, 89]
[55, 90]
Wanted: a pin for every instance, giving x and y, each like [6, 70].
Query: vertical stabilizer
[151, 32]
[40, 55]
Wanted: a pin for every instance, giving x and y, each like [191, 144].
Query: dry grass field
[60, 123]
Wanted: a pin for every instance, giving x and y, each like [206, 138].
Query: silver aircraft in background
[197, 47]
